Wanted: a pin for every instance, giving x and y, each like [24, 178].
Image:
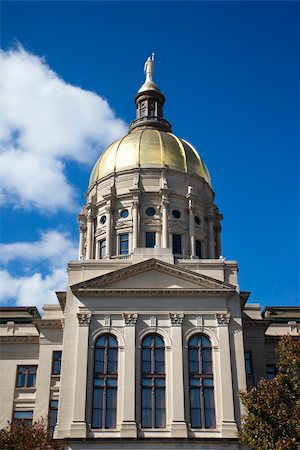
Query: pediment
[152, 276]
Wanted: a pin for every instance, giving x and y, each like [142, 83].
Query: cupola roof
[149, 142]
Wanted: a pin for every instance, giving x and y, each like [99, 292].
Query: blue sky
[229, 73]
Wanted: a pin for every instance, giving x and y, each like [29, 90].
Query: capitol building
[152, 340]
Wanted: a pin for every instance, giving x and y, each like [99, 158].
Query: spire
[149, 102]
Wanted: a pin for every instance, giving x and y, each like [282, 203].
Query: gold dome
[147, 147]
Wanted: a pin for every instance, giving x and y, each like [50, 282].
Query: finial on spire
[149, 68]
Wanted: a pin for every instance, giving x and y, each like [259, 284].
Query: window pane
[99, 382]
[159, 361]
[205, 341]
[158, 341]
[147, 341]
[146, 418]
[31, 380]
[207, 367]
[193, 358]
[160, 418]
[176, 238]
[208, 382]
[98, 396]
[209, 408]
[194, 342]
[196, 418]
[147, 382]
[112, 341]
[111, 382]
[195, 398]
[160, 398]
[146, 398]
[100, 341]
[112, 355]
[23, 414]
[21, 379]
[97, 418]
[159, 381]
[150, 239]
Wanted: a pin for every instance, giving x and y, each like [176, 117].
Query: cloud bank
[44, 123]
[36, 288]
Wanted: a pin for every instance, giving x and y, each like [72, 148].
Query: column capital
[84, 319]
[176, 319]
[223, 319]
[130, 319]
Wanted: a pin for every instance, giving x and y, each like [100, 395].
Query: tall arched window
[202, 406]
[105, 382]
[153, 382]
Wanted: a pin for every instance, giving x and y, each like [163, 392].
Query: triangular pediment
[152, 275]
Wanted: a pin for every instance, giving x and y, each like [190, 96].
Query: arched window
[202, 406]
[153, 382]
[105, 382]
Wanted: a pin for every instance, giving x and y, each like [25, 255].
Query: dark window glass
[271, 371]
[248, 363]
[176, 238]
[26, 376]
[102, 248]
[202, 406]
[56, 363]
[103, 219]
[198, 248]
[150, 239]
[105, 382]
[249, 369]
[197, 220]
[123, 244]
[53, 409]
[176, 214]
[23, 416]
[124, 213]
[153, 382]
[150, 212]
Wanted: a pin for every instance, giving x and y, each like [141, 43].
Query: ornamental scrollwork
[223, 319]
[84, 319]
[130, 319]
[176, 319]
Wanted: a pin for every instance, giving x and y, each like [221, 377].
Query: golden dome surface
[148, 147]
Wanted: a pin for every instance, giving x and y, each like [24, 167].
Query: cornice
[50, 324]
[151, 292]
[20, 339]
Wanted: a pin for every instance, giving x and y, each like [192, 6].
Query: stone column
[78, 425]
[192, 230]
[82, 229]
[164, 214]
[211, 238]
[90, 235]
[128, 427]
[219, 242]
[228, 424]
[135, 224]
[178, 425]
[108, 213]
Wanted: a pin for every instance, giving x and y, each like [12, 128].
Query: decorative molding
[130, 319]
[176, 319]
[223, 319]
[51, 323]
[153, 321]
[84, 319]
[200, 322]
[20, 339]
[107, 321]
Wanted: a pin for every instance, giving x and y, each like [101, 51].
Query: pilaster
[90, 234]
[128, 426]
[178, 425]
[228, 424]
[78, 425]
[164, 213]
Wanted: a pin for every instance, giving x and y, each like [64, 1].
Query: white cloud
[36, 289]
[55, 247]
[45, 122]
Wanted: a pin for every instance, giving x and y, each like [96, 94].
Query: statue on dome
[149, 68]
